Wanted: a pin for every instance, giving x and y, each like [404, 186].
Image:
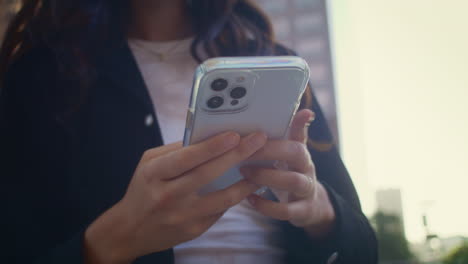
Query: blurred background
[392, 79]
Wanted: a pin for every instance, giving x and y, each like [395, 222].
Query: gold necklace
[161, 56]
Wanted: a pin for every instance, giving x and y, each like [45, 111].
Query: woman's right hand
[161, 207]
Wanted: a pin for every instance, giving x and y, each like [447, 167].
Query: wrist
[106, 240]
[327, 217]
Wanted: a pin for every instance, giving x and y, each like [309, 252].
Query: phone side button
[188, 128]
[189, 119]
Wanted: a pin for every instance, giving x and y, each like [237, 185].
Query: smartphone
[246, 95]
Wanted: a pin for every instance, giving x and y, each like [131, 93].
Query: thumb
[300, 125]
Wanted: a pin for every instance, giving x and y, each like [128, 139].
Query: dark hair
[73, 30]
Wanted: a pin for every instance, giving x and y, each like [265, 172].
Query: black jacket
[59, 174]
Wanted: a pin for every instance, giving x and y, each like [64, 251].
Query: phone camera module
[215, 102]
[219, 84]
[238, 92]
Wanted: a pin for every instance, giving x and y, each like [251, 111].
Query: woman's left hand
[307, 204]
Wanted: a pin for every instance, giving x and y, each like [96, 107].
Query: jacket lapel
[118, 65]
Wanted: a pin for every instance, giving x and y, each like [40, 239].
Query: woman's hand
[306, 204]
[161, 207]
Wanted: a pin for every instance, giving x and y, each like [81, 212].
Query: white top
[168, 82]
[242, 234]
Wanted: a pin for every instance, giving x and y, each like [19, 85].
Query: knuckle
[162, 199]
[147, 173]
[310, 165]
[146, 154]
[301, 151]
[294, 148]
[149, 153]
[177, 158]
[165, 198]
[296, 182]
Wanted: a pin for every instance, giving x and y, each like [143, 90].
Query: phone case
[244, 94]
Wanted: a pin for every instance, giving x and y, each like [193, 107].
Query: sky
[401, 70]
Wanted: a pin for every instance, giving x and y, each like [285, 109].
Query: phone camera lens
[215, 102]
[219, 84]
[238, 92]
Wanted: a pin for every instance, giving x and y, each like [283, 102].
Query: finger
[214, 168]
[220, 201]
[212, 219]
[298, 212]
[160, 151]
[295, 154]
[175, 163]
[269, 208]
[300, 125]
[297, 183]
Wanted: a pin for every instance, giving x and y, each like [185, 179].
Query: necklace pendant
[161, 57]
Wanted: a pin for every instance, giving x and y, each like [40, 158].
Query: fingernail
[231, 139]
[257, 140]
[311, 118]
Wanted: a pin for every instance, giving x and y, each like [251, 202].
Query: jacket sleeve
[30, 170]
[352, 240]
[41, 222]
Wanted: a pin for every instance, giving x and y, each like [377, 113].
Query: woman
[91, 92]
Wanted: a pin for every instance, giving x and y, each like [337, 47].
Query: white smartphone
[246, 95]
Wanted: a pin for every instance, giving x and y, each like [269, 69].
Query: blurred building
[303, 26]
[389, 202]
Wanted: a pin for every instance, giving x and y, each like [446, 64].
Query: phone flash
[240, 79]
